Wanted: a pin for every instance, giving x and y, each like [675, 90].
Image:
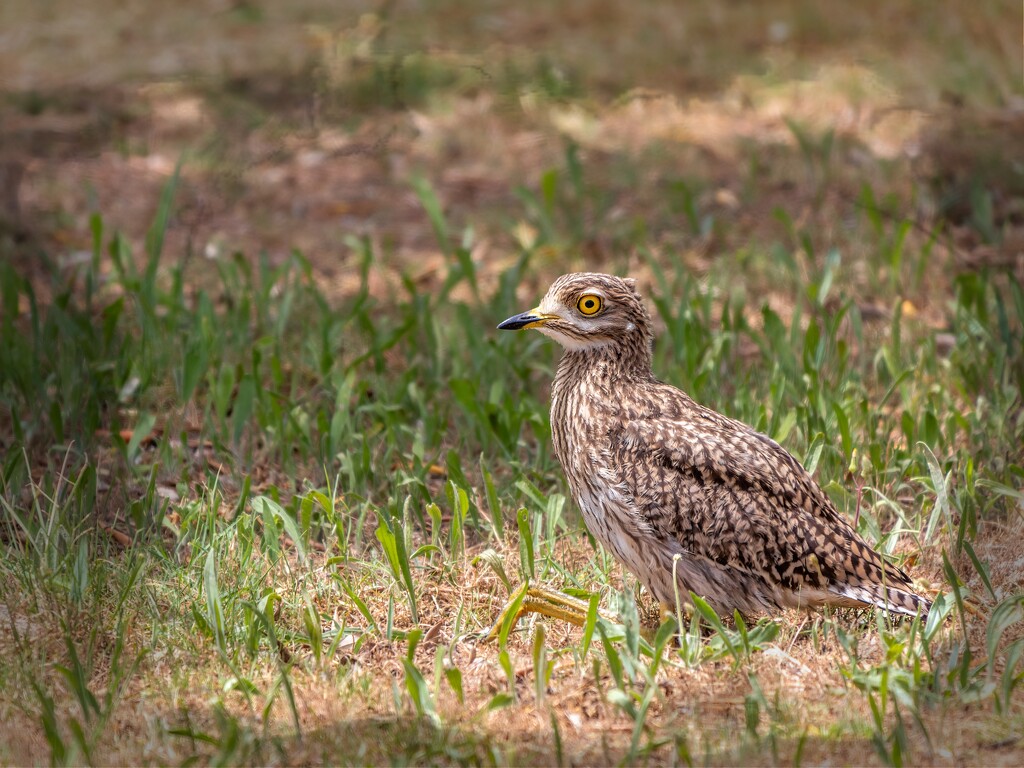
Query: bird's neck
[625, 360]
[591, 380]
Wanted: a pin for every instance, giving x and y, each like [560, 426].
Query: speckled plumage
[657, 475]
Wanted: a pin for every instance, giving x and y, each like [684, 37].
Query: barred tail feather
[891, 598]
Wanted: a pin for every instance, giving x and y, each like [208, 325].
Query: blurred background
[583, 129]
[268, 437]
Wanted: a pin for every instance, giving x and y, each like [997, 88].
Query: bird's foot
[547, 602]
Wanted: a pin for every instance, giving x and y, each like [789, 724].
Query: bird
[685, 498]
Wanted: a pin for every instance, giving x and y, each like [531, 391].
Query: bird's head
[588, 310]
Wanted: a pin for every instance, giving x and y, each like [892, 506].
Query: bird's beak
[532, 319]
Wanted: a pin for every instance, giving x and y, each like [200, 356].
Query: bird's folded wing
[730, 494]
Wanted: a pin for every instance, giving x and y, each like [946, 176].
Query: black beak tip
[516, 322]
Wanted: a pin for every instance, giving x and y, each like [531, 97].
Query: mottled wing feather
[730, 494]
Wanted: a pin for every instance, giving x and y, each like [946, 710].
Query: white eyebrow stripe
[550, 305]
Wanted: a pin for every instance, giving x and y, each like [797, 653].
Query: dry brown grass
[352, 707]
[289, 146]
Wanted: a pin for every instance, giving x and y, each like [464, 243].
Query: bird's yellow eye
[589, 304]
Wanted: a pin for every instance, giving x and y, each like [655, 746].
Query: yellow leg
[546, 602]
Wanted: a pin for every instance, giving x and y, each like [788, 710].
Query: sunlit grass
[246, 499]
[248, 519]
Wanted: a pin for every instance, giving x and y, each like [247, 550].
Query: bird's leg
[651, 613]
[546, 602]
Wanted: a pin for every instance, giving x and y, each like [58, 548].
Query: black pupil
[589, 303]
